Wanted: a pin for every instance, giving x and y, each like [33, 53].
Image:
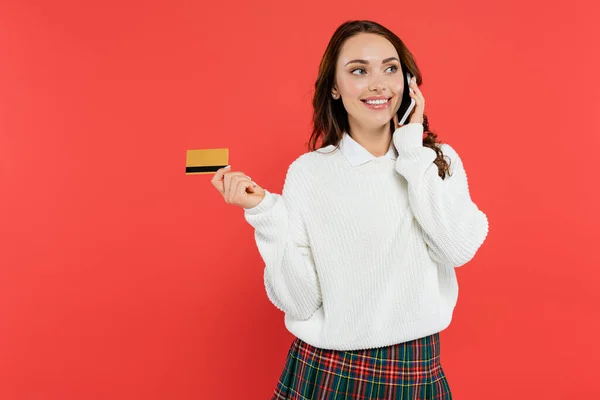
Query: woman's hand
[237, 188]
[417, 112]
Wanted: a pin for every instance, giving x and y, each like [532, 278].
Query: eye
[357, 69]
[395, 68]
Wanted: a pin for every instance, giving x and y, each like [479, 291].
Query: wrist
[408, 136]
[264, 204]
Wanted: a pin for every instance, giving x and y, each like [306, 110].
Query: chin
[376, 125]
[381, 121]
[375, 122]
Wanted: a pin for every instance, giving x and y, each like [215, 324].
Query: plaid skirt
[409, 371]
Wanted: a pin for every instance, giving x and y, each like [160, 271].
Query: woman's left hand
[417, 112]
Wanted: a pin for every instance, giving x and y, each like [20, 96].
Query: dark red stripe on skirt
[405, 371]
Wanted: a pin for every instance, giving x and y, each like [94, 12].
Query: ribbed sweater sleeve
[454, 228]
[290, 276]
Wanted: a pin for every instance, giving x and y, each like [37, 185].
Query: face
[369, 80]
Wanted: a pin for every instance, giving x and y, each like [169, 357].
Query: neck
[375, 140]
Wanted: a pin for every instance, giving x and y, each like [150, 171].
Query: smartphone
[408, 103]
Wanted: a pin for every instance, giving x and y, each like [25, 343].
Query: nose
[376, 83]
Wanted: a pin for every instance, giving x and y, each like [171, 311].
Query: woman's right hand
[237, 188]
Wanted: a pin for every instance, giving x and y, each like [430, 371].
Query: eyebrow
[365, 62]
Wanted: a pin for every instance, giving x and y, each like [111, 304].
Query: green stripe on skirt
[405, 371]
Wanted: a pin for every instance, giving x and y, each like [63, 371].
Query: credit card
[206, 161]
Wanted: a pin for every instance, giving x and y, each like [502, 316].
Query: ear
[335, 93]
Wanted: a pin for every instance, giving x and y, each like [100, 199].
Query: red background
[123, 278]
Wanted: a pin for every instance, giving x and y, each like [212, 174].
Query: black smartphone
[408, 103]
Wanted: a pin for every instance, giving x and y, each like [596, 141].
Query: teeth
[376, 102]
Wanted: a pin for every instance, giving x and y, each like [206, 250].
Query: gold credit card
[206, 161]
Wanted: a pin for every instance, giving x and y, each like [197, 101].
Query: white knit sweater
[360, 250]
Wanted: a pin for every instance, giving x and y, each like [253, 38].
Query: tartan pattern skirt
[405, 371]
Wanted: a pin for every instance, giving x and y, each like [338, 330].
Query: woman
[360, 247]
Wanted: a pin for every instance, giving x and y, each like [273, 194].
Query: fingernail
[227, 167]
[254, 183]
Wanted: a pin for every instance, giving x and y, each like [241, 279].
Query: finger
[232, 193]
[227, 182]
[246, 187]
[240, 189]
[220, 173]
[227, 185]
[238, 185]
[420, 101]
[219, 185]
[217, 179]
[418, 91]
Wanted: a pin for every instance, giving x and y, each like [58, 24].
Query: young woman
[361, 246]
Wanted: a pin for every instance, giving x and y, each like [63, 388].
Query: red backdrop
[123, 278]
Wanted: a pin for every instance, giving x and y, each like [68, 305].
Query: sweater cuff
[408, 137]
[265, 204]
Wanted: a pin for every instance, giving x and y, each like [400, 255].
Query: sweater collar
[356, 154]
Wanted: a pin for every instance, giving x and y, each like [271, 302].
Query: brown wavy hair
[330, 118]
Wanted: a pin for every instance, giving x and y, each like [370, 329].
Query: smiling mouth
[377, 102]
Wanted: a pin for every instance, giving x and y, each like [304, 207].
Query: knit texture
[363, 256]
